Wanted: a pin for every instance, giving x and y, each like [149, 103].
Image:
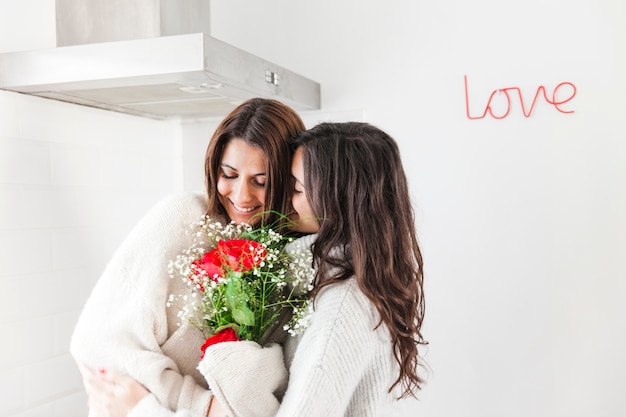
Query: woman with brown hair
[125, 325]
[360, 352]
[359, 355]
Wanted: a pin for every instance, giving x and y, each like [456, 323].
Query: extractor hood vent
[188, 75]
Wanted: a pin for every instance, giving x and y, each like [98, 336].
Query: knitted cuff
[245, 377]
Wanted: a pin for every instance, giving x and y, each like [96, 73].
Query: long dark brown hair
[268, 125]
[357, 187]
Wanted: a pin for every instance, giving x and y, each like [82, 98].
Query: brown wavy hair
[358, 189]
[270, 126]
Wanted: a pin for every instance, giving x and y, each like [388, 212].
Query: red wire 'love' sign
[557, 99]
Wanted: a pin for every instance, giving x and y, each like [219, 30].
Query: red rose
[239, 255]
[211, 262]
[226, 335]
[242, 255]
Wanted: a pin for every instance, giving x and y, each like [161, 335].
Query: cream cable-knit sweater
[125, 325]
[339, 366]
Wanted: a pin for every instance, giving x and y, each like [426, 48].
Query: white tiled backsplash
[73, 181]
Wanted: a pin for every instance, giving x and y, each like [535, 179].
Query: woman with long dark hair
[125, 325]
[360, 352]
[359, 355]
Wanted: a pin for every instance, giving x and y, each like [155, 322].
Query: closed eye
[294, 183]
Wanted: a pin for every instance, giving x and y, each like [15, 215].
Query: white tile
[166, 142]
[34, 206]
[195, 139]
[27, 341]
[82, 205]
[87, 247]
[51, 379]
[25, 251]
[152, 136]
[8, 115]
[11, 390]
[44, 410]
[73, 248]
[160, 173]
[24, 162]
[65, 205]
[41, 295]
[45, 119]
[74, 165]
[53, 292]
[74, 405]
[121, 169]
[117, 131]
[12, 304]
[124, 207]
[45, 206]
[10, 206]
[96, 126]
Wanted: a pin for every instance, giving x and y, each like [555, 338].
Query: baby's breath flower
[250, 298]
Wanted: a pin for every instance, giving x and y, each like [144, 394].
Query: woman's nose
[242, 192]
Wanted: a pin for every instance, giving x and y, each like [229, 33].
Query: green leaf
[243, 315]
[234, 292]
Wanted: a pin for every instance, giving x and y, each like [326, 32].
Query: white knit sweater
[340, 366]
[125, 325]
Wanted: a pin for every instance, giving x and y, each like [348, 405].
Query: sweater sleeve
[333, 354]
[149, 406]
[124, 323]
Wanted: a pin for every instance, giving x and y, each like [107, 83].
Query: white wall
[73, 181]
[521, 219]
[27, 24]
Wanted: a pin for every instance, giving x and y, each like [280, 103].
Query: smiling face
[241, 181]
[304, 220]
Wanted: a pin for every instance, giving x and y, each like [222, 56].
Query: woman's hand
[245, 378]
[111, 394]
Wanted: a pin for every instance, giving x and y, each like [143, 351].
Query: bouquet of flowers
[242, 280]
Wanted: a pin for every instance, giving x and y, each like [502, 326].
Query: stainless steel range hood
[186, 75]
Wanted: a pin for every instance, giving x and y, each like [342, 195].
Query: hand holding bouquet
[242, 281]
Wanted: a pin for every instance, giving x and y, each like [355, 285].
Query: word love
[562, 93]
